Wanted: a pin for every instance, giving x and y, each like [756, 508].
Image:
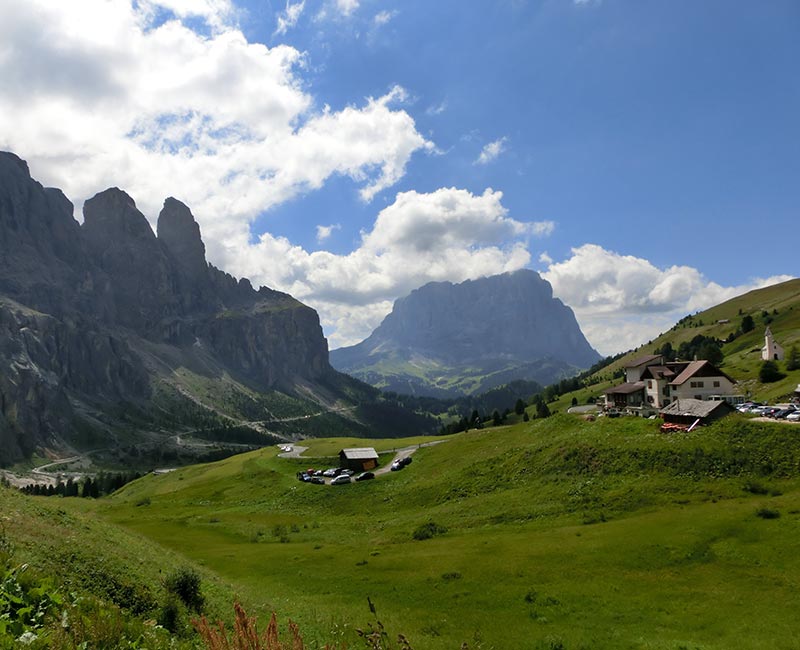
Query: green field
[552, 534]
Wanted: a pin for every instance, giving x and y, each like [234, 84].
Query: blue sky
[643, 156]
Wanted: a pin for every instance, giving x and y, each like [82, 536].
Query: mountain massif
[446, 340]
[111, 334]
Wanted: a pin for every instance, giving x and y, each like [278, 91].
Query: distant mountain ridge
[447, 339]
[106, 319]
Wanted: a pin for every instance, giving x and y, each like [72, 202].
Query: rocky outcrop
[475, 334]
[78, 303]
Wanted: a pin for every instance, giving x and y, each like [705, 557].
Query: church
[771, 350]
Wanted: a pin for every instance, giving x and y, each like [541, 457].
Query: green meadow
[559, 533]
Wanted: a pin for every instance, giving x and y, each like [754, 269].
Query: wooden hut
[686, 413]
[359, 459]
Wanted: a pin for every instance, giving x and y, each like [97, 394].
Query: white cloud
[97, 94]
[289, 17]
[491, 151]
[622, 301]
[436, 109]
[383, 17]
[218, 14]
[347, 7]
[324, 232]
[544, 258]
[450, 234]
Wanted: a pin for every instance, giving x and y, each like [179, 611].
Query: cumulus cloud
[324, 232]
[100, 93]
[450, 234]
[288, 18]
[491, 151]
[622, 301]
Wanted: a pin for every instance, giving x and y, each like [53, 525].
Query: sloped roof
[694, 368]
[641, 361]
[359, 453]
[658, 372]
[694, 407]
[625, 389]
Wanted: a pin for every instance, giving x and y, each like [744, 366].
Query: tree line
[86, 487]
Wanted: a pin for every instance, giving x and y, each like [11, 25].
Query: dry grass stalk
[245, 634]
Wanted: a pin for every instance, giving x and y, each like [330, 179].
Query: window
[716, 384]
[699, 384]
[649, 383]
[693, 384]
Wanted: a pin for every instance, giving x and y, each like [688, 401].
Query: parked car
[405, 461]
[331, 472]
[784, 413]
[365, 476]
[794, 417]
[318, 480]
[341, 479]
[396, 466]
[346, 472]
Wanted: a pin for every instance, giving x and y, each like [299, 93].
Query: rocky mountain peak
[111, 216]
[180, 233]
[493, 329]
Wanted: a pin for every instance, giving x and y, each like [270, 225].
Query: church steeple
[771, 350]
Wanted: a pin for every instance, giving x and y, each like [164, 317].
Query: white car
[341, 479]
[793, 417]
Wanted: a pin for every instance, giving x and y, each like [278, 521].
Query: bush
[185, 584]
[769, 373]
[767, 513]
[426, 531]
[753, 487]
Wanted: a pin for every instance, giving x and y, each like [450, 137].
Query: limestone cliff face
[508, 326]
[75, 299]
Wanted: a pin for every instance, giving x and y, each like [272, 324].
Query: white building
[652, 384]
[771, 350]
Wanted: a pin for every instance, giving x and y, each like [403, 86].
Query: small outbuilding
[359, 459]
[686, 413]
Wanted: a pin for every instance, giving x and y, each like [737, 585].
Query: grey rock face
[495, 323]
[179, 232]
[75, 300]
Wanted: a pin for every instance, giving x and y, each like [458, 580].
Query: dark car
[781, 415]
[318, 480]
[405, 461]
[365, 476]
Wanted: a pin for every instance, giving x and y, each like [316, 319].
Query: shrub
[767, 513]
[185, 584]
[769, 373]
[428, 530]
[753, 487]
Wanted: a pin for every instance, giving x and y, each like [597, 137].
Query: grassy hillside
[68, 578]
[557, 534]
[777, 306]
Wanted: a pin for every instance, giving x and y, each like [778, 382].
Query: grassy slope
[63, 543]
[742, 356]
[681, 560]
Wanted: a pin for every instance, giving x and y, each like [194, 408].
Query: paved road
[586, 408]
